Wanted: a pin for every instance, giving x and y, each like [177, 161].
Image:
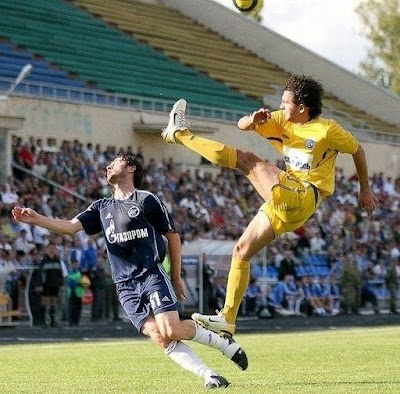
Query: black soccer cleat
[239, 357]
[216, 382]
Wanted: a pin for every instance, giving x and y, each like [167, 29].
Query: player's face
[293, 112]
[116, 170]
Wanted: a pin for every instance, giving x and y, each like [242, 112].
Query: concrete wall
[109, 126]
[293, 58]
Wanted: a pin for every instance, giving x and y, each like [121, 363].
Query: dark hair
[130, 160]
[308, 91]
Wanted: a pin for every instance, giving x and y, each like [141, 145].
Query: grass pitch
[340, 361]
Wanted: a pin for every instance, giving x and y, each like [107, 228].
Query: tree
[381, 20]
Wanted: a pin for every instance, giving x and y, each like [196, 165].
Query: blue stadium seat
[13, 59]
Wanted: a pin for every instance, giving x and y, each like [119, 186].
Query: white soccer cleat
[216, 323]
[177, 121]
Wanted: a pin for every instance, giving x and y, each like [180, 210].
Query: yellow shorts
[292, 203]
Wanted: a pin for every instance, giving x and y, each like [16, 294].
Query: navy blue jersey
[133, 229]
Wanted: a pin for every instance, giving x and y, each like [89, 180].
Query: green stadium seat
[87, 47]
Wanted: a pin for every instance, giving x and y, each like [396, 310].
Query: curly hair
[130, 160]
[307, 91]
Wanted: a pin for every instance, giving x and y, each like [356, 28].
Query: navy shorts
[152, 292]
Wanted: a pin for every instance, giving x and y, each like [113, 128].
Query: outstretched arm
[30, 216]
[366, 198]
[174, 248]
[249, 122]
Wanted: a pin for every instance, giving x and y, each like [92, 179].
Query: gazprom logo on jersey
[125, 236]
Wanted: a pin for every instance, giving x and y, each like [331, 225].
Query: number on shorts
[155, 300]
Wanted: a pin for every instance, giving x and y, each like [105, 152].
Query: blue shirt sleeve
[90, 219]
[157, 214]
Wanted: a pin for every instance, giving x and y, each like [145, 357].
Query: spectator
[380, 270]
[77, 250]
[368, 293]
[7, 272]
[351, 286]
[335, 296]
[22, 244]
[287, 298]
[35, 289]
[52, 280]
[209, 301]
[97, 279]
[220, 291]
[392, 281]
[254, 297]
[111, 303]
[75, 294]
[89, 257]
[287, 265]
[337, 266]
[321, 291]
[9, 195]
[312, 302]
[317, 244]
[4, 245]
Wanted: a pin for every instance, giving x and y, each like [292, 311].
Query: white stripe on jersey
[163, 207]
[157, 255]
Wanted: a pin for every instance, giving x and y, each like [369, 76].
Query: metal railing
[49, 181]
[361, 129]
[122, 101]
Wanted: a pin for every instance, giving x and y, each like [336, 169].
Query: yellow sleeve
[272, 128]
[341, 140]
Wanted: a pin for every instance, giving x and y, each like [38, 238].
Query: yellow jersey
[310, 149]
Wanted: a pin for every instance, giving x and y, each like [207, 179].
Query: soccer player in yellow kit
[309, 145]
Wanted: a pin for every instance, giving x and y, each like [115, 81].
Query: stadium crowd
[339, 260]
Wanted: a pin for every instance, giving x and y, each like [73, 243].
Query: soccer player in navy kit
[133, 221]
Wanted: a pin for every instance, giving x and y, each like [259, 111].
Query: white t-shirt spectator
[317, 244]
[395, 252]
[21, 243]
[9, 197]
[40, 167]
[39, 234]
[388, 187]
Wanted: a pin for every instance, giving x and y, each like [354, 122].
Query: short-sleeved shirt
[309, 149]
[133, 229]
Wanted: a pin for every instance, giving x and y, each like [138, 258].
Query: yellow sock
[238, 280]
[216, 152]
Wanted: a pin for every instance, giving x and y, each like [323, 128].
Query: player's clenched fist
[261, 116]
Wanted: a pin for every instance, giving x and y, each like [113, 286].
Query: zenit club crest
[134, 211]
[309, 143]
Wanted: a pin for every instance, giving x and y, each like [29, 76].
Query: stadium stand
[210, 53]
[13, 59]
[108, 58]
[204, 207]
[191, 43]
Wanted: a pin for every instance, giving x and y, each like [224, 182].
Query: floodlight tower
[25, 71]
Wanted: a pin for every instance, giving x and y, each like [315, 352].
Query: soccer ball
[246, 5]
